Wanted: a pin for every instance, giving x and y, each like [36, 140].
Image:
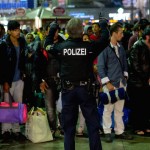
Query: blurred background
[36, 13]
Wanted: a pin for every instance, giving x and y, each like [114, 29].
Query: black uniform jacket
[76, 56]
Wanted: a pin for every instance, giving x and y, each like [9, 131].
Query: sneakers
[59, 128]
[108, 138]
[79, 131]
[6, 137]
[18, 136]
[124, 136]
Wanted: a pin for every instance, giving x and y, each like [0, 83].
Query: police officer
[76, 61]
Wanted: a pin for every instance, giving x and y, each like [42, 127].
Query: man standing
[139, 84]
[3, 66]
[15, 71]
[50, 77]
[112, 68]
[76, 68]
[3, 59]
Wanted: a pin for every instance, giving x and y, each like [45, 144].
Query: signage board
[58, 11]
[20, 12]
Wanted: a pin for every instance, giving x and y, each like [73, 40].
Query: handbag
[113, 96]
[13, 112]
[37, 127]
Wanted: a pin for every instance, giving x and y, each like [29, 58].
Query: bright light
[115, 16]
[38, 22]
[120, 11]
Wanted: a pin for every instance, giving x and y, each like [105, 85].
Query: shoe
[59, 128]
[18, 136]
[108, 138]
[6, 137]
[124, 136]
[80, 131]
[53, 134]
[61, 132]
[139, 132]
[147, 132]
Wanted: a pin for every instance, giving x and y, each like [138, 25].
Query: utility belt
[70, 85]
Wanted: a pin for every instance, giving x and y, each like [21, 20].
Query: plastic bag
[37, 127]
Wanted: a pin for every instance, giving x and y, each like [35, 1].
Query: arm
[4, 67]
[50, 37]
[135, 61]
[102, 70]
[125, 66]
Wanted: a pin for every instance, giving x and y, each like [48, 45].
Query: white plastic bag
[59, 103]
[37, 127]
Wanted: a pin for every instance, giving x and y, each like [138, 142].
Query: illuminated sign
[8, 4]
[81, 15]
[117, 16]
[120, 15]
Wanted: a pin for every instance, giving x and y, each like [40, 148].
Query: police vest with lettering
[74, 51]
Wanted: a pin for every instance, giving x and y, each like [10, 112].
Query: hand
[103, 22]
[6, 87]
[54, 25]
[110, 87]
[43, 86]
[95, 69]
[29, 55]
[149, 81]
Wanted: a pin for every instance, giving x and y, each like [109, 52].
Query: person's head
[14, 28]
[136, 29]
[74, 28]
[96, 28]
[127, 27]
[116, 31]
[85, 37]
[25, 32]
[29, 38]
[146, 36]
[88, 29]
[143, 23]
[2, 30]
[46, 29]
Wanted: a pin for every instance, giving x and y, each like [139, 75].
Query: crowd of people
[78, 64]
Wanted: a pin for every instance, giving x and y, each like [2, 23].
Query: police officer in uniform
[76, 60]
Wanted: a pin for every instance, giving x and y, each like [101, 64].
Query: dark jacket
[47, 68]
[110, 68]
[76, 56]
[12, 58]
[3, 62]
[139, 65]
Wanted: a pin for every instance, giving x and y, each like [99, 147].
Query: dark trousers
[140, 107]
[51, 96]
[71, 99]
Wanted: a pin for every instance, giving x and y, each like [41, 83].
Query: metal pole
[149, 10]
[131, 11]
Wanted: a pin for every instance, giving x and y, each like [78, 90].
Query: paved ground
[138, 143]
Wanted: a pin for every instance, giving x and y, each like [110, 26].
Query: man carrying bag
[15, 66]
[112, 68]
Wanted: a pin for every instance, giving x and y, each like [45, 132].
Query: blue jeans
[71, 99]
